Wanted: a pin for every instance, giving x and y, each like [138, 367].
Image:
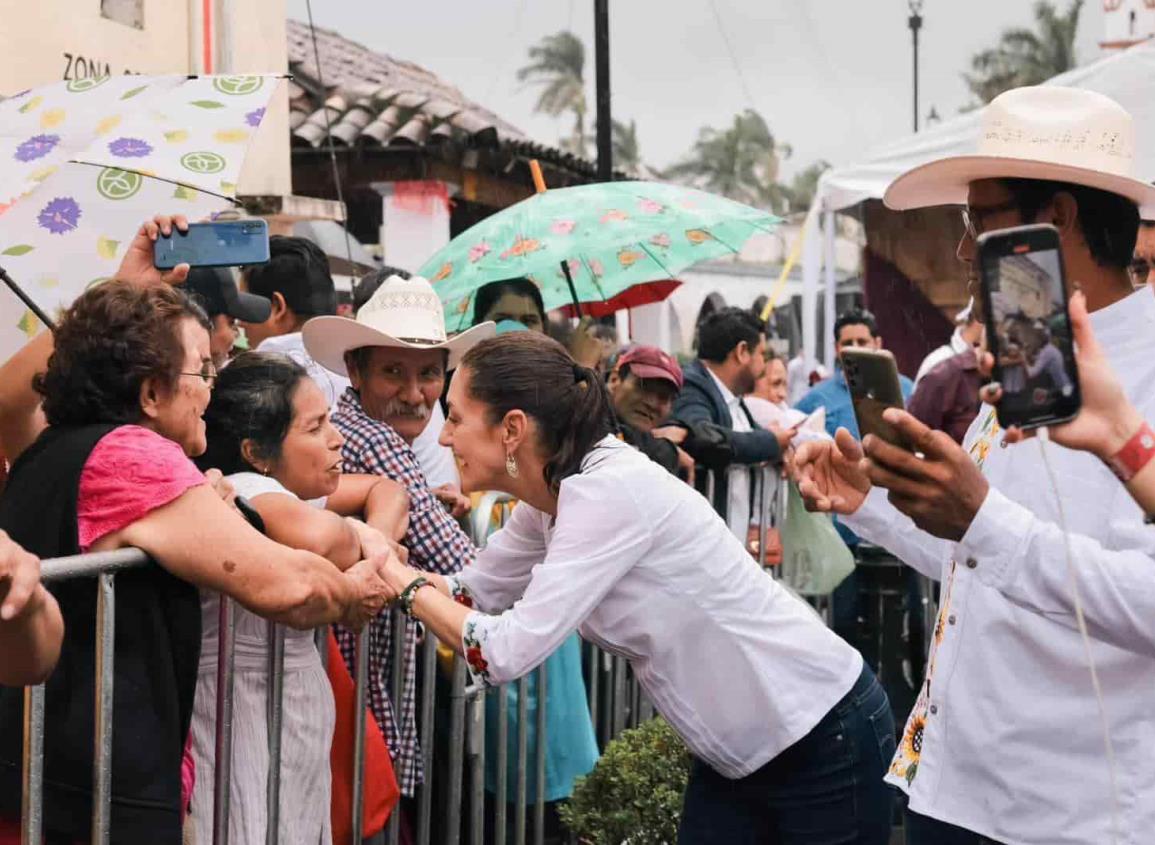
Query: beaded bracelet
[410, 593]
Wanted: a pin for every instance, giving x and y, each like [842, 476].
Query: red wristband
[1135, 454]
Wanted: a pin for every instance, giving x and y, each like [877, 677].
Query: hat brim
[249, 308]
[946, 181]
[651, 371]
[328, 338]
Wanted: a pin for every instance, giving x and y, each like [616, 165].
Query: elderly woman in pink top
[106, 466]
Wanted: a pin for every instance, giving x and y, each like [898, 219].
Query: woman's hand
[1107, 419]
[222, 486]
[456, 502]
[371, 592]
[137, 265]
[373, 542]
[20, 588]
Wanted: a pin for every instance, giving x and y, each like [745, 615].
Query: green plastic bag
[815, 560]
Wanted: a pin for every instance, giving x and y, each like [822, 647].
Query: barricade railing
[623, 706]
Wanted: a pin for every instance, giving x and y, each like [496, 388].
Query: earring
[265, 471]
[511, 465]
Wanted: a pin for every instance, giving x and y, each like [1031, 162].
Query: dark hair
[721, 331]
[487, 296]
[252, 400]
[530, 372]
[1110, 222]
[298, 270]
[109, 341]
[855, 317]
[367, 285]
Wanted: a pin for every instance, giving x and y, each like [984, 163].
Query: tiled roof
[374, 100]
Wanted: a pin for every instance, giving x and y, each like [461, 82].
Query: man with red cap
[643, 385]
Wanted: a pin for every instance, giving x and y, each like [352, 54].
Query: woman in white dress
[791, 732]
[268, 430]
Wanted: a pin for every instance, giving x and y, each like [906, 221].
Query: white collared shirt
[738, 475]
[639, 563]
[1009, 729]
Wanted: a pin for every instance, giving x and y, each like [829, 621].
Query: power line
[733, 56]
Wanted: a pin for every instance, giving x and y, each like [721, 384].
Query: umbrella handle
[538, 179]
[36, 309]
[577, 306]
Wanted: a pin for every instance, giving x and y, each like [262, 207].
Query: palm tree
[558, 65]
[1026, 57]
[627, 152]
[740, 162]
[804, 185]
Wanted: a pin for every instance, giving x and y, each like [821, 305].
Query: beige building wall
[43, 41]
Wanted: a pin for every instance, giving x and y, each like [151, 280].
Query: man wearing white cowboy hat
[396, 355]
[1007, 742]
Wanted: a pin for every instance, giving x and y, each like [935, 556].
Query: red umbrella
[643, 294]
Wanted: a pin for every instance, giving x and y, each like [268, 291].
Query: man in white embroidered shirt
[1006, 742]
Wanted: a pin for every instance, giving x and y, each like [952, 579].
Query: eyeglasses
[1140, 269]
[972, 217]
[208, 374]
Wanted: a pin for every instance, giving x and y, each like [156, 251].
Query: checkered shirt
[436, 543]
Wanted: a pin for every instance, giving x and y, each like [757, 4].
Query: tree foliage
[557, 65]
[1025, 56]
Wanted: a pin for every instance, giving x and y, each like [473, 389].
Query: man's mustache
[397, 408]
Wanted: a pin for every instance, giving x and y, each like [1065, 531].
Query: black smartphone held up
[224, 243]
[872, 376]
[1028, 327]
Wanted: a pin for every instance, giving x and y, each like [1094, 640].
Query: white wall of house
[48, 40]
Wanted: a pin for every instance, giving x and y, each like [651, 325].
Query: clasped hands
[939, 487]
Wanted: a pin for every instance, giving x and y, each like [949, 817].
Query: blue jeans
[923, 830]
[826, 789]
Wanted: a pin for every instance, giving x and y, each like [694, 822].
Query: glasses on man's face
[207, 374]
[1140, 269]
[973, 216]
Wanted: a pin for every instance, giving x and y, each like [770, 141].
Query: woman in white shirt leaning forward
[790, 731]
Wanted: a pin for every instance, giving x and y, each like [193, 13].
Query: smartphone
[872, 377]
[1028, 328]
[225, 243]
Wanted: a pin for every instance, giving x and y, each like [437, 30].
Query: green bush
[634, 794]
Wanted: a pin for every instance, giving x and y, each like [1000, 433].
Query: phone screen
[225, 243]
[1028, 329]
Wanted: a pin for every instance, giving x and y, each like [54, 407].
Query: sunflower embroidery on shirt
[986, 438]
[909, 752]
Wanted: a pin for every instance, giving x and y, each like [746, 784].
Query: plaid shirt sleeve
[435, 541]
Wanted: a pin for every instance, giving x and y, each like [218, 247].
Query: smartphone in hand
[223, 243]
[872, 377]
[1024, 295]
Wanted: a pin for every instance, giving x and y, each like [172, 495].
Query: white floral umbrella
[82, 164]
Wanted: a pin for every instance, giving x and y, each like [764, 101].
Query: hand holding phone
[872, 377]
[1024, 295]
[223, 243]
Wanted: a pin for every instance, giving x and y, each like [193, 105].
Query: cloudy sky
[831, 77]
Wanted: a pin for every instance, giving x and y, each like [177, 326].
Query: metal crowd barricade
[104, 566]
[615, 698]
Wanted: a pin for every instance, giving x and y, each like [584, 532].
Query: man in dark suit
[723, 435]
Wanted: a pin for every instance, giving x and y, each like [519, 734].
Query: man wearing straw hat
[396, 355]
[1026, 731]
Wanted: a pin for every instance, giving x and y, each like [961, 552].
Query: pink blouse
[131, 472]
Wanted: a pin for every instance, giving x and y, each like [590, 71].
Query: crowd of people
[358, 444]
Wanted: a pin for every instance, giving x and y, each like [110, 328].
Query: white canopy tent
[1127, 77]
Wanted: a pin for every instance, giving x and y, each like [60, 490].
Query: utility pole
[915, 24]
[602, 62]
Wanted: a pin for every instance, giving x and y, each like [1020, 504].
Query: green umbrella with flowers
[607, 237]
